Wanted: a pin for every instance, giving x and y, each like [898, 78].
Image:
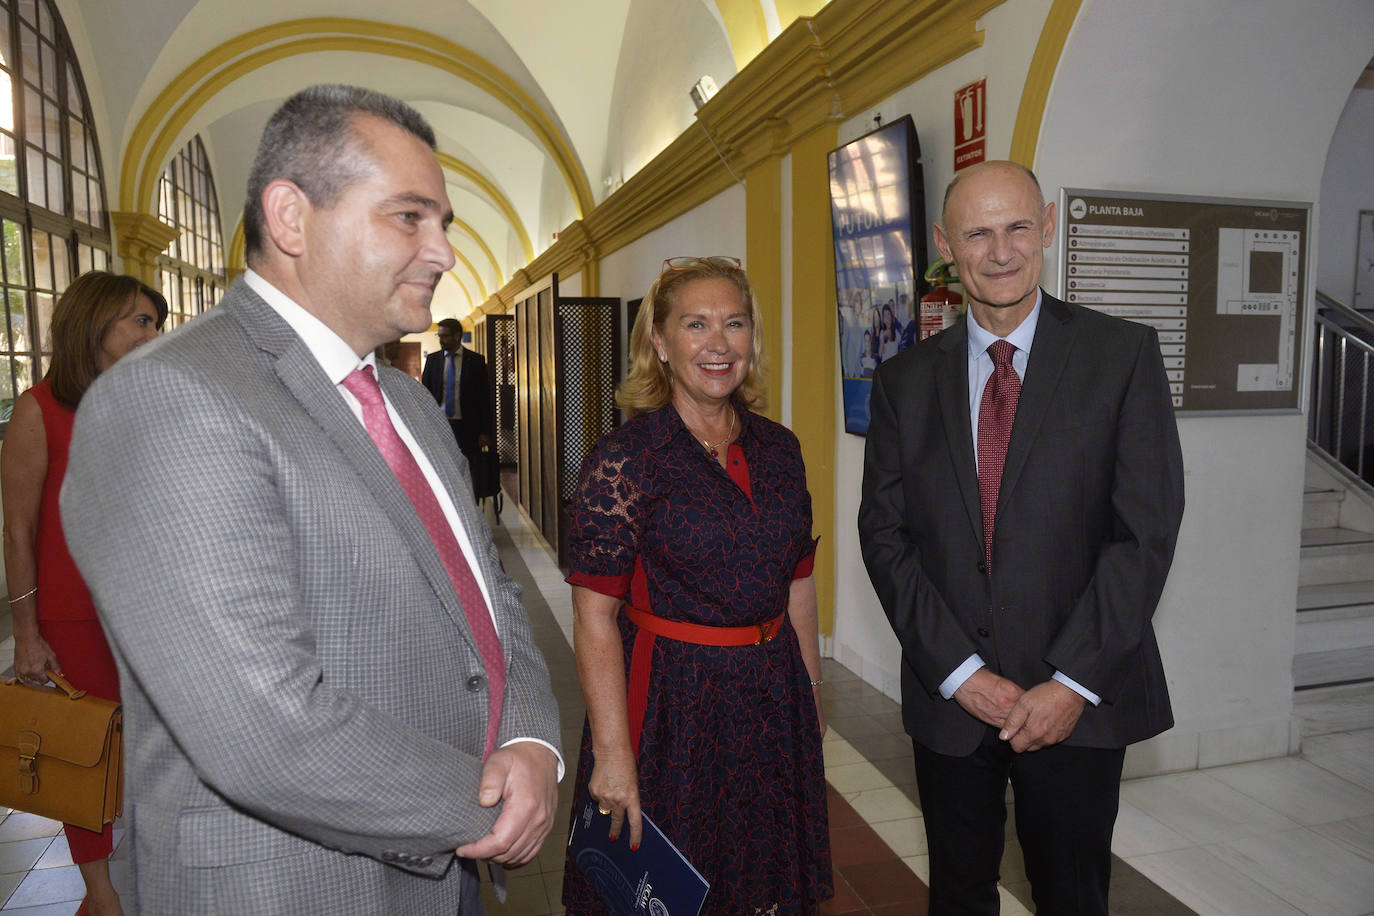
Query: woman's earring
[662, 358]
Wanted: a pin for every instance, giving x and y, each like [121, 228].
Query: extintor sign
[970, 124]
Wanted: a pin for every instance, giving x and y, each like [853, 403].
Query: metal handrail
[1340, 423]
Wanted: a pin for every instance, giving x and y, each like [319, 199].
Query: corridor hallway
[1284, 836]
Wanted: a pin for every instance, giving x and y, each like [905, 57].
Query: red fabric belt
[754, 635]
[651, 627]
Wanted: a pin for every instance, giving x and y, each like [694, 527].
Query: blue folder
[656, 880]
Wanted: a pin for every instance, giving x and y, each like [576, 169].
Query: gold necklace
[715, 449]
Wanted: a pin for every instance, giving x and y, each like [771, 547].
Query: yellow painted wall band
[1035, 95]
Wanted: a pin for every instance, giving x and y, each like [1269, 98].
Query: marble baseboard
[1190, 748]
[889, 683]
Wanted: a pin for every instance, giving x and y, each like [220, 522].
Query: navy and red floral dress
[730, 751]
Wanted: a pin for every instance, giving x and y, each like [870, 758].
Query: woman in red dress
[695, 611]
[100, 318]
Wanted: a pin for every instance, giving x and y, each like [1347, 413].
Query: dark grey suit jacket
[305, 707]
[474, 395]
[1087, 518]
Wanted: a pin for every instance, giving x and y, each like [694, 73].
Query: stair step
[1321, 508]
[1335, 595]
[1334, 537]
[1327, 629]
[1335, 555]
[1337, 666]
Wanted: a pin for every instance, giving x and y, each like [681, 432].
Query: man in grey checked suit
[306, 707]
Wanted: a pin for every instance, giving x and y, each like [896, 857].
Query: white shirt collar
[335, 357]
[980, 338]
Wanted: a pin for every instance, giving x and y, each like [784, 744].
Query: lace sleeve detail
[607, 516]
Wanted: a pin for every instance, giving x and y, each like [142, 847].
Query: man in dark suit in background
[457, 377]
[1022, 492]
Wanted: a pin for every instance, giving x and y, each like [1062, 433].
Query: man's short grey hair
[311, 142]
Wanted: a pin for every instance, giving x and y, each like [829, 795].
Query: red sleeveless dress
[62, 593]
[66, 611]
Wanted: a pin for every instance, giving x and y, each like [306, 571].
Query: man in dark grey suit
[312, 671]
[1022, 493]
[457, 377]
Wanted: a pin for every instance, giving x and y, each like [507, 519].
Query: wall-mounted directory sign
[1223, 281]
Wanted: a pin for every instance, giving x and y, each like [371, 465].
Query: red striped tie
[363, 385]
[996, 413]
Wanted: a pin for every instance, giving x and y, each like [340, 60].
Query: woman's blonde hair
[649, 385]
[91, 304]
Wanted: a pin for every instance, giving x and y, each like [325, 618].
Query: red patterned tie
[995, 415]
[363, 385]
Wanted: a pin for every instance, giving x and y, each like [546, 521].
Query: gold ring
[603, 810]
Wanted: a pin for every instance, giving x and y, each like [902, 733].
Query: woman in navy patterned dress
[695, 611]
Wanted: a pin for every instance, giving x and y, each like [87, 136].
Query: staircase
[1335, 603]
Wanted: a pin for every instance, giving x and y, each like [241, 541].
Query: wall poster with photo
[877, 199]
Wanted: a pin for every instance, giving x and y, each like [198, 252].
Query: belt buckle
[766, 632]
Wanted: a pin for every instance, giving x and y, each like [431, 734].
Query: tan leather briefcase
[61, 753]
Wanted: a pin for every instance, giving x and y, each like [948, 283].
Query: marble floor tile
[1349, 755]
[57, 854]
[1138, 834]
[1298, 789]
[1203, 808]
[1010, 905]
[920, 865]
[8, 882]
[886, 804]
[525, 896]
[839, 752]
[1201, 880]
[20, 855]
[19, 825]
[906, 837]
[855, 777]
[1313, 873]
[553, 890]
[1356, 835]
[48, 885]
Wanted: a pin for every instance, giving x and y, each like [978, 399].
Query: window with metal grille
[53, 217]
[191, 270]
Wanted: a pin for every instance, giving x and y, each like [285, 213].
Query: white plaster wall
[1347, 188]
[667, 47]
[713, 227]
[557, 210]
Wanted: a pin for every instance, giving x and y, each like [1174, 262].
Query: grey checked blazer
[304, 704]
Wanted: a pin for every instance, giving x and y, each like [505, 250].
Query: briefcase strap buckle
[28, 772]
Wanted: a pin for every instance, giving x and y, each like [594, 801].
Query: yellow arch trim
[463, 287]
[174, 106]
[481, 287]
[499, 199]
[234, 258]
[746, 28]
[481, 243]
[1035, 95]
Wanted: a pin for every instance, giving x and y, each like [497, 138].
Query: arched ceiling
[541, 107]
